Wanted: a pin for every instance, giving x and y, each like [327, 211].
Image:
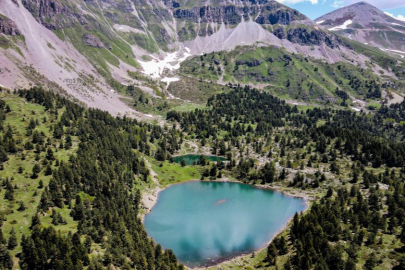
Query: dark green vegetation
[188, 93]
[352, 162]
[196, 159]
[290, 76]
[71, 179]
[384, 60]
[79, 172]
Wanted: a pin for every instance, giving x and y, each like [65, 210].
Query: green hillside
[290, 76]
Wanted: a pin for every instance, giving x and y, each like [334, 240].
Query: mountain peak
[367, 24]
[363, 6]
[362, 12]
[361, 9]
[362, 3]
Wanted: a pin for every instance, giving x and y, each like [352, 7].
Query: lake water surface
[205, 223]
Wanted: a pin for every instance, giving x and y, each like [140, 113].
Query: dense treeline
[354, 217]
[235, 112]
[47, 249]
[247, 111]
[96, 185]
[318, 236]
[333, 231]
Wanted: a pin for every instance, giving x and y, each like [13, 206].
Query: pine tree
[21, 207]
[271, 254]
[49, 154]
[371, 262]
[12, 240]
[9, 195]
[48, 170]
[78, 210]
[3, 240]
[35, 221]
[35, 171]
[6, 261]
[288, 265]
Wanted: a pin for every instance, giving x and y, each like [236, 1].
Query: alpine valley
[110, 108]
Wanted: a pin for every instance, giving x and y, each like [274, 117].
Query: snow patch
[171, 62]
[343, 26]
[396, 51]
[400, 53]
[356, 109]
[169, 80]
[320, 22]
[397, 24]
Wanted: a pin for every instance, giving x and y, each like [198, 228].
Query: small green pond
[194, 159]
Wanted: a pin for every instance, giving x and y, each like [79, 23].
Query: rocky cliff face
[274, 13]
[165, 22]
[265, 12]
[8, 27]
[307, 37]
[53, 14]
[228, 14]
[104, 39]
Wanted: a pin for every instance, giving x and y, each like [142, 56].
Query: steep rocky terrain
[8, 27]
[93, 49]
[38, 56]
[367, 24]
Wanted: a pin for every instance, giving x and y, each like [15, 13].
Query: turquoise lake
[190, 159]
[205, 223]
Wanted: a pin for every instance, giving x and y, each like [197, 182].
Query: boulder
[92, 41]
[8, 27]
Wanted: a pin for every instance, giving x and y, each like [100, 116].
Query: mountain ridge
[92, 50]
[367, 24]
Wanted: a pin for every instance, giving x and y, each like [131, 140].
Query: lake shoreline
[153, 196]
[240, 256]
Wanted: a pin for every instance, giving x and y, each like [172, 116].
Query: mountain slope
[42, 58]
[290, 76]
[367, 24]
[92, 50]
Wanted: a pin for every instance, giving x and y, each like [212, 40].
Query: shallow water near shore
[205, 223]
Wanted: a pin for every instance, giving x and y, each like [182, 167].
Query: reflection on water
[220, 202]
[207, 222]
